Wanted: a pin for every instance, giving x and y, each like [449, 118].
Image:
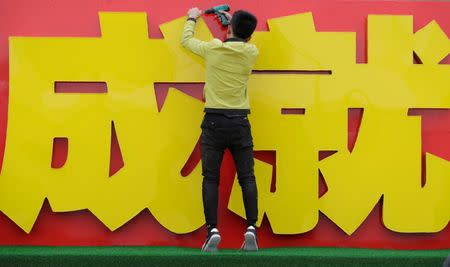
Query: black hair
[243, 24]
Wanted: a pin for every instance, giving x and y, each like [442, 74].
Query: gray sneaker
[250, 240]
[212, 240]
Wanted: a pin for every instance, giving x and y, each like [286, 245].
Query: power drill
[216, 10]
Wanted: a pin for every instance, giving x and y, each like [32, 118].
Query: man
[225, 124]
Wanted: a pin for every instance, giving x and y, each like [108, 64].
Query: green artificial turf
[174, 256]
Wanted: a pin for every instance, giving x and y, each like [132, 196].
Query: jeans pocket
[207, 123]
[241, 121]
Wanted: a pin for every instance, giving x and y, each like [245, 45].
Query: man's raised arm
[187, 39]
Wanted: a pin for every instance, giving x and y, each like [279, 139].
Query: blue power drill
[216, 10]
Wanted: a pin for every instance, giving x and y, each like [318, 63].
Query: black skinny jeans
[218, 133]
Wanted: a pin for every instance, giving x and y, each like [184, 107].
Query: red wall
[80, 18]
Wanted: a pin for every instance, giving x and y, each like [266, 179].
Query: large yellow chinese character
[387, 156]
[154, 145]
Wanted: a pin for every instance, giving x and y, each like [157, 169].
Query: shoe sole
[250, 242]
[212, 244]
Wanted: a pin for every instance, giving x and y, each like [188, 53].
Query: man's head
[243, 24]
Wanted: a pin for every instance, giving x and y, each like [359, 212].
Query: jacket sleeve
[190, 42]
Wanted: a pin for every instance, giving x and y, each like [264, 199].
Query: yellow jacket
[228, 67]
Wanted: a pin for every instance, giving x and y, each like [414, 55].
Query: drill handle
[223, 19]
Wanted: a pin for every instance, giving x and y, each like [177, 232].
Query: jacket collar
[234, 39]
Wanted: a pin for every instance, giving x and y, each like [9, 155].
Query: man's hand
[227, 15]
[194, 13]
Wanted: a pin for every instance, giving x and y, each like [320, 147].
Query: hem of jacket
[225, 111]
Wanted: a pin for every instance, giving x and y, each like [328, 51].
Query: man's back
[228, 67]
